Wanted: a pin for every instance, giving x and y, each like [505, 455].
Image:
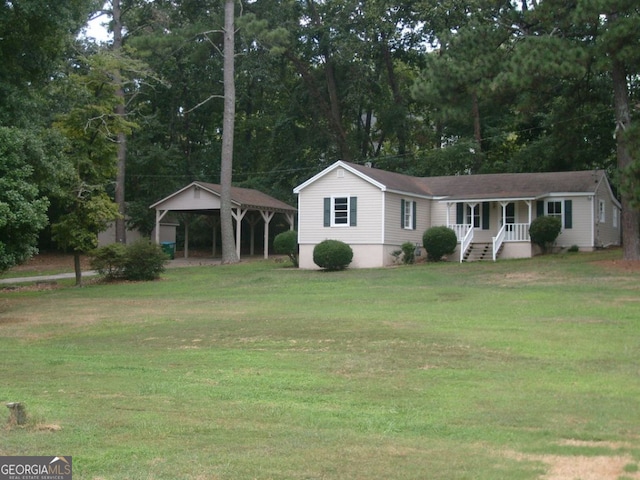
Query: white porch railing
[497, 241]
[465, 243]
[516, 232]
[460, 229]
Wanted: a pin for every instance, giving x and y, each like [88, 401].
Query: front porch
[503, 237]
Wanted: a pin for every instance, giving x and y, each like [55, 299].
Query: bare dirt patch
[623, 266]
[585, 467]
[48, 261]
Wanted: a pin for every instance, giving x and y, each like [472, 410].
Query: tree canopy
[422, 87]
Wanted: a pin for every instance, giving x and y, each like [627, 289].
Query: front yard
[522, 369]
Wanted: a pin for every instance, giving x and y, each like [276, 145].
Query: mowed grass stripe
[259, 371]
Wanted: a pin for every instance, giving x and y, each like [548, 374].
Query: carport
[204, 199]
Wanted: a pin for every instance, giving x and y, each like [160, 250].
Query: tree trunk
[630, 220]
[226, 168]
[398, 100]
[121, 230]
[77, 268]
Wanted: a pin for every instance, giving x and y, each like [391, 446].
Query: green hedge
[332, 255]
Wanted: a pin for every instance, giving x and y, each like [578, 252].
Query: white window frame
[408, 214]
[347, 217]
[601, 211]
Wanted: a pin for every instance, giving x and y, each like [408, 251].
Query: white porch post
[504, 211]
[238, 215]
[449, 213]
[529, 203]
[472, 206]
[266, 216]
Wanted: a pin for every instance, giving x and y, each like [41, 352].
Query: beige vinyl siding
[439, 213]
[604, 232]
[192, 199]
[311, 229]
[581, 233]
[394, 233]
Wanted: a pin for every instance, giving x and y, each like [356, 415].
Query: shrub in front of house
[332, 255]
[438, 242]
[544, 231]
[286, 243]
[408, 253]
[141, 260]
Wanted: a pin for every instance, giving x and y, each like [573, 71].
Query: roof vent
[367, 164]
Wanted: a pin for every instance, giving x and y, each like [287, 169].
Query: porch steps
[479, 252]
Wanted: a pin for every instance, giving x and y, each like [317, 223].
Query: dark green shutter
[402, 207]
[353, 211]
[459, 213]
[568, 214]
[486, 215]
[414, 215]
[540, 208]
[327, 212]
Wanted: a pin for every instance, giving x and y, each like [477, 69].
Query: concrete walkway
[178, 262]
[46, 278]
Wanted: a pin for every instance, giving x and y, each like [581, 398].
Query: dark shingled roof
[249, 198]
[498, 185]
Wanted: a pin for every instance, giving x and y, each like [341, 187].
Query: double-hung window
[340, 211]
[408, 214]
[601, 214]
[562, 209]
[554, 209]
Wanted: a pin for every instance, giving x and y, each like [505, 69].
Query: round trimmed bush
[287, 243]
[544, 231]
[438, 242]
[144, 261]
[332, 255]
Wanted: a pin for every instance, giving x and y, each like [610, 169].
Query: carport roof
[245, 198]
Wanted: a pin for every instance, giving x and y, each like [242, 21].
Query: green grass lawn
[256, 371]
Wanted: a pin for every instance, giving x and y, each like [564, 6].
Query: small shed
[204, 198]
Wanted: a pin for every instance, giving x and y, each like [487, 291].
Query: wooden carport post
[238, 214]
[266, 216]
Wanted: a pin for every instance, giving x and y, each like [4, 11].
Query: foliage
[332, 255]
[89, 215]
[287, 243]
[144, 260]
[438, 242]
[22, 209]
[408, 253]
[110, 260]
[544, 231]
[91, 128]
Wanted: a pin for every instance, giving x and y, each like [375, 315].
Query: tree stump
[17, 413]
